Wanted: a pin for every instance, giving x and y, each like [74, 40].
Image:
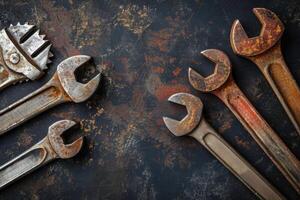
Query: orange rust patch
[158, 70]
[176, 71]
[160, 40]
[163, 92]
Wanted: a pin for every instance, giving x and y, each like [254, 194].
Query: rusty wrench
[195, 125]
[222, 85]
[63, 87]
[265, 51]
[50, 148]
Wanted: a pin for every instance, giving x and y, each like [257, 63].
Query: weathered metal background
[145, 49]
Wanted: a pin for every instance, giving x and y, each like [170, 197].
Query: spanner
[63, 87]
[50, 148]
[24, 54]
[195, 125]
[265, 51]
[222, 85]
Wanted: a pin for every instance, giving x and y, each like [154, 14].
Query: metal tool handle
[25, 163]
[282, 82]
[210, 139]
[42, 99]
[262, 133]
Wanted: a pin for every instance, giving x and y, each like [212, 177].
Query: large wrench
[50, 148]
[63, 87]
[265, 51]
[222, 84]
[195, 125]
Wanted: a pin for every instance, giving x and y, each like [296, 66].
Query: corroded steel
[258, 128]
[265, 51]
[63, 87]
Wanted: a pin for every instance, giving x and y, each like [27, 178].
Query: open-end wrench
[24, 54]
[222, 85]
[265, 51]
[195, 125]
[63, 87]
[50, 148]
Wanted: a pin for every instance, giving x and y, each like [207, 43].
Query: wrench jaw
[271, 32]
[214, 81]
[77, 91]
[63, 151]
[194, 108]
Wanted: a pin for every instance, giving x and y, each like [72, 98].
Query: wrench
[222, 85]
[265, 51]
[63, 87]
[50, 148]
[24, 54]
[194, 125]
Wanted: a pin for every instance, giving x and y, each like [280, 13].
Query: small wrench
[50, 148]
[222, 85]
[195, 125]
[265, 51]
[63, 87]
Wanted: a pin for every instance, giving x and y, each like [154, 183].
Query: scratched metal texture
[144, 49]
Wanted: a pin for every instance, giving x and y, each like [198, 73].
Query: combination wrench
[265, 51]
[50, 148]
[195, 125]
[62, 87]
[222, 85]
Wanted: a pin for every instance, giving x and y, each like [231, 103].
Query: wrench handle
[25, 163]
[281, 81]
[49, 95]
[234, 162]
[262, 133]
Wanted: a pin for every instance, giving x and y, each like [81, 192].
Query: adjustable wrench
[195, 125]
[24, 54]
[50, 148]
[222, 85]
[265, 51]
[63, 87]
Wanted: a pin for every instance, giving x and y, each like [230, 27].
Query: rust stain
[25, 140]
[160, 40]
[176, 71]
[159, 70]
[134, 18]
[242, 143]
[162, 91]
[58, 23]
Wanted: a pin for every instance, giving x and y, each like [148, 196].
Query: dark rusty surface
[145, 49]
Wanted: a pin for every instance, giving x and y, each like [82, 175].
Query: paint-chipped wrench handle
[50, 148]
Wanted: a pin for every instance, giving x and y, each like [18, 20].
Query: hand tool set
[25, 54]
[265, 51]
